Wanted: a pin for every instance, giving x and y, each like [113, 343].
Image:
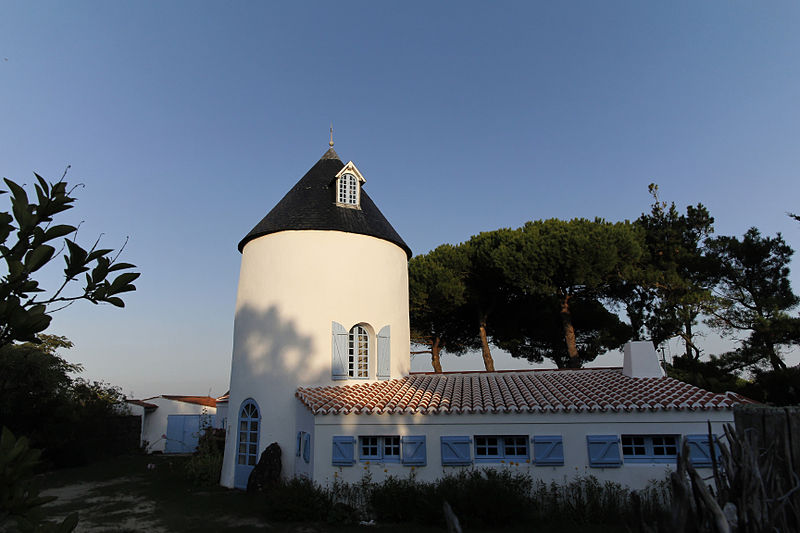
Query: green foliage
[437, 294]
[24, 312]
[775, 387]
[405, 500]
[298, 499]
[20, 503]
[205, 466]
[480, 498]
[560, 272]
[67, 417]
[672, 287]
[755, 296]
[717, 374]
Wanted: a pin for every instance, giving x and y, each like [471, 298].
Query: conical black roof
[311, 204]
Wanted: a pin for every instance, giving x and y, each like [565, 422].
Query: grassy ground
[123, 495]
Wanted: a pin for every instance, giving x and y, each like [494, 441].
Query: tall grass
[480, 498]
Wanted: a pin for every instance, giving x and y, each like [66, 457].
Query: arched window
[348, 190]
[247, 442]
[358, 353]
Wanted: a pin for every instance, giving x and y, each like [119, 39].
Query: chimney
[641, 360]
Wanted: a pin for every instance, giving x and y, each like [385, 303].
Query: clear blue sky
[188, 121]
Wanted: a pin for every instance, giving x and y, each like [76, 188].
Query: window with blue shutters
[456, 451]
[700, 450]
[548, 450]
[379, 448]
[650, 448]
[307, 447]
[299, 443]
[603, 451]
[414, 452]
[494, 448]
[343, 453]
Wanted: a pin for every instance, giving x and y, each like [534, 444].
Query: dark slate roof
[311, 204]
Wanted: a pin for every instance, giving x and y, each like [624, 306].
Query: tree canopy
[552, 289]
[754, 296]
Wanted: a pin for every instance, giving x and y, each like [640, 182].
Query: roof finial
[331, 141]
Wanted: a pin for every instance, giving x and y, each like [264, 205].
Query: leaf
[38, 257]
[42, 183]
[117, 302]
[124, 279]
[120, 266]
[18, 192]
[95, 254]
[58, 231]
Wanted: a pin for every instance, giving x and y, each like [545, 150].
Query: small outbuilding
[173, 423]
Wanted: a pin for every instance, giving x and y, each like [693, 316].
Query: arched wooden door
[247, 442]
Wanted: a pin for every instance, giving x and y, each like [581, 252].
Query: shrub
[20, 503]
[205, 465]
[482, 498]
[405, 500]
[297, 499]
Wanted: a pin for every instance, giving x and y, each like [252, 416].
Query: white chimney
[641, 360]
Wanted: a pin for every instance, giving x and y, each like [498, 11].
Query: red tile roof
[584, 390]
[208, 401]
[142, 403]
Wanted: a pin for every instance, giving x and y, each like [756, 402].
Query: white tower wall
[292, 285]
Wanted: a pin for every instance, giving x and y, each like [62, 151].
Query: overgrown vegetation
[205, 466]
[72, 419]
[20, 502]
[481, 498]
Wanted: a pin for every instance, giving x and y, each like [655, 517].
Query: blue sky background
[188, 121]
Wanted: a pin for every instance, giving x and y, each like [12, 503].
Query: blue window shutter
[603, 451]
[343, 451]
[413, 450]
[700, 450]
[456, 451]
[338, 351]
[384, 353]
[299, 441]
[306, 447]
[548, 450]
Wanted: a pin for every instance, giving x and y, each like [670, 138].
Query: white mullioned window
[358, 353]
[348, 190]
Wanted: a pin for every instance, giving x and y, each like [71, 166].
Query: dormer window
[348, 186]
[348, 190]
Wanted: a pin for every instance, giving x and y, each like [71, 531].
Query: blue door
[247, 443]
[182, 433]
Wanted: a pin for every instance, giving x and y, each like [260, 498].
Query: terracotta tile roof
[208, 401]
[224, 398]
[583, 390]
[143, 403]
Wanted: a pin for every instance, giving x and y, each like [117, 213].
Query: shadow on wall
[271, 346]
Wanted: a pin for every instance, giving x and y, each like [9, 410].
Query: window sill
[650, 460]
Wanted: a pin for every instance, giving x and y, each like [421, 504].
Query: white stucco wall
[155, 422]
[573, 427]
[221, 418]
[292, 285]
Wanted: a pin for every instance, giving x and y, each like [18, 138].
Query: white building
[173, 423]
[321, 366]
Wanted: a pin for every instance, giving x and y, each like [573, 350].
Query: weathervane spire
[331, 141]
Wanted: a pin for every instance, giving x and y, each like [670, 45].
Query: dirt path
[103, 506]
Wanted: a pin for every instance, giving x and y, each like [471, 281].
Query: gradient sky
[188, 121]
